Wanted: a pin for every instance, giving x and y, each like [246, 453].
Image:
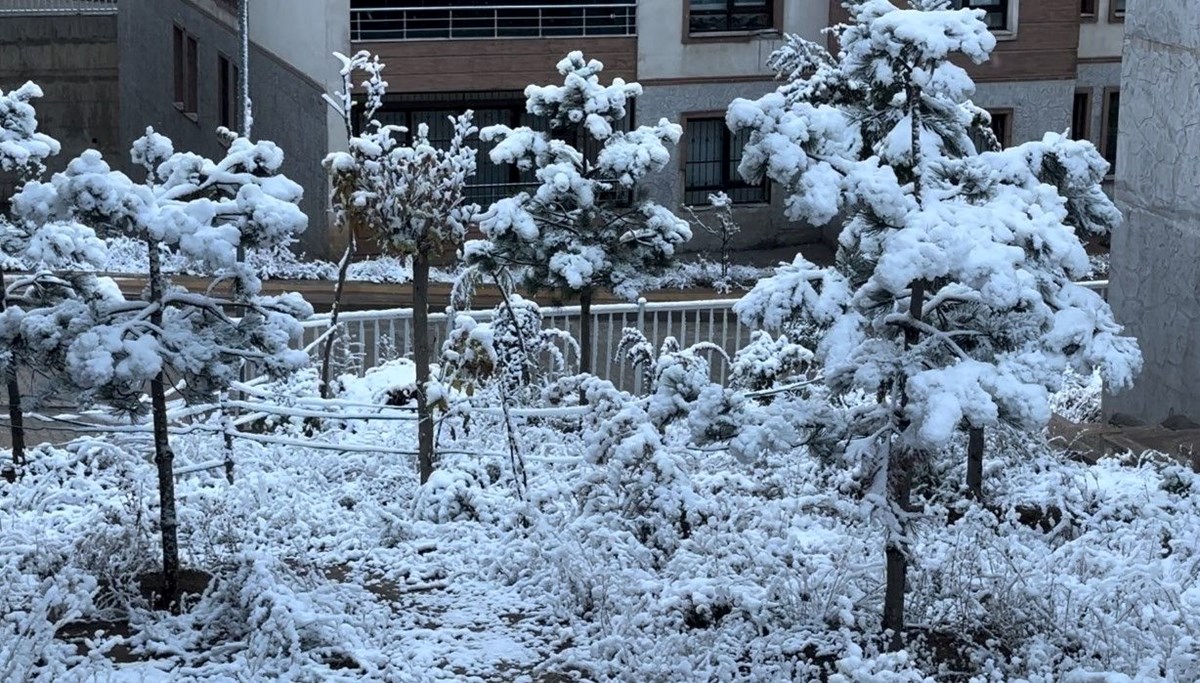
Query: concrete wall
[664, 52]
[305, 34]
[74, 60]
[1154, 272]
[1038, 106]
[288, 108]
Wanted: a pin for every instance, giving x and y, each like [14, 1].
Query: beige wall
[664, 54]
[1101, 38]
[305, 34]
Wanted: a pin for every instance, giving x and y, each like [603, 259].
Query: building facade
[1056, 66]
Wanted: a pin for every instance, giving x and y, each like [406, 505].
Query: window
[1109, 127]
[997, 15]
[1001, 127]
[1087, 8]
[187, 84]
[491, 181]
[1118, 8]
[229, 92]
[713, 154]
[718, 16]
[1081, 115]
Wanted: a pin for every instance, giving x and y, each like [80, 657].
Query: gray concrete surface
[1155, 280]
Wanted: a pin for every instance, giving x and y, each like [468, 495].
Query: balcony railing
[494, 21]
[10, 7]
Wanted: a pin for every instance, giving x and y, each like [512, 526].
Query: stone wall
[74, 60]
[1155, 270]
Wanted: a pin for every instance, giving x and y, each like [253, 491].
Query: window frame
[1115, 16]
[1086, 14]
[1105, 123]
[1086, 133]
[1011, 9]
[774, 11]
[229, 86]
[185, 58]
[727, 155]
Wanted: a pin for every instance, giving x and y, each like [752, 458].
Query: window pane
[1119, 6]
[1080, 113]
[713, 155]
[707, 16]
[1110, 133]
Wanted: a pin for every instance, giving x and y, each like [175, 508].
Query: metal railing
[33, 7]
[495, 21]
[377, 336]
[374, 337]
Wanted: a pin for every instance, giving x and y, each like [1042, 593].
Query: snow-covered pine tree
[412, 198]
[952, 300]
[22, 153]
[116, 351]
[583, 228]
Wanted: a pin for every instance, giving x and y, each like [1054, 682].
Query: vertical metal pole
[641, 325]
[244, 31]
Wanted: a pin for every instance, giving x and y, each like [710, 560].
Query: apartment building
[1057, 65]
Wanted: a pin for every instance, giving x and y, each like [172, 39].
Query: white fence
[377, 336]
[12, 7]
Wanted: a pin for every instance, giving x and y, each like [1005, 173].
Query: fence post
[641, 325]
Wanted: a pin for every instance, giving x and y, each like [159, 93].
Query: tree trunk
[585, 331]
[16, 416]
[164, 458]
[899, 491]
[421, 353]
[899, 495]
[334, 310]
[975, 462]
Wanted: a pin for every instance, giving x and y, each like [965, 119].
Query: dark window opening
[1087, 8]
[1001, 127]
[1081, 115]
[713, 156]
[229, 92]
[185, 54]
[1112, 112]
[491, 182]
[997, 12]
[718, 16]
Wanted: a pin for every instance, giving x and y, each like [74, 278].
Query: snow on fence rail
[58, 6]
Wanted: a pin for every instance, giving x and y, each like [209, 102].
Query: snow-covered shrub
[513, 348]
[952, 300]
[768, 362]
[449, 496]
[584, 228]
[411, 198]
[117, 351]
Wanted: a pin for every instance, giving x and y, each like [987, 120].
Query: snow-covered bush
[117, 351]
[411, 198]
[952, 300]
[584, 228]
[513, 349]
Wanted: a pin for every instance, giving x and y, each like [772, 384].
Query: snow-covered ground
[335, 565]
